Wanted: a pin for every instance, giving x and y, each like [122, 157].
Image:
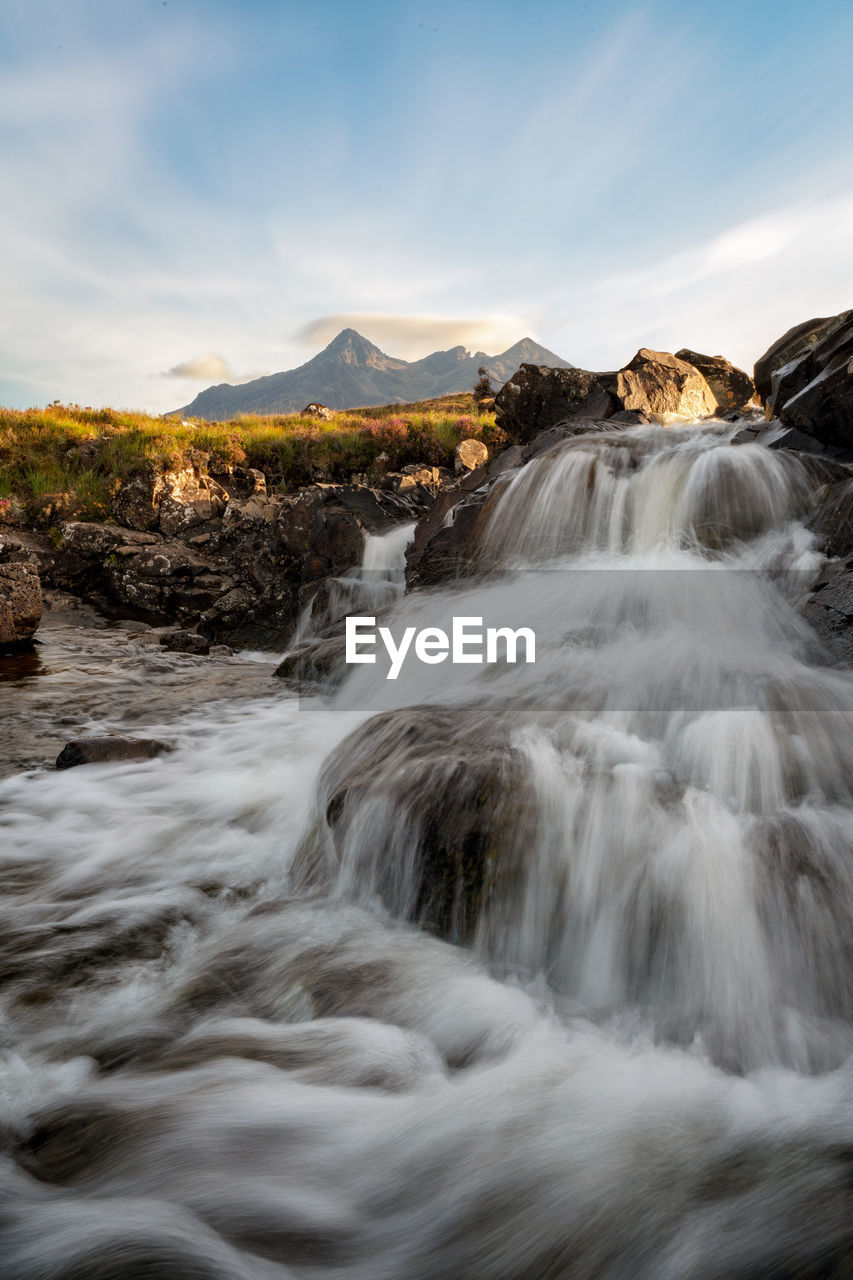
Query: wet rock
[829, 611]
[182, 641]
[832, 520]
[452, 780]
[664, 388]
[507, 460]
[20, 600]
[447, 547]
[732, 388]
[319, 662]
[108, 750]
[537, 397]
[799, 341]
[470, 454]
[814, 394]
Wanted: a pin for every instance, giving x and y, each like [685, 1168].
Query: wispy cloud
[410, 336]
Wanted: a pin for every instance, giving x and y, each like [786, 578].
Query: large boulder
[537, 397]
[731, 387]
[814, 394]
[664, 388]
[792, 346]
[454, 785]
[20, 600]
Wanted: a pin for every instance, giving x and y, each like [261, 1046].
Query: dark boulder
[814, 395]
[108, 751]
[454, 784]
[182, 641]
[832, 519]
[793, 345]
[829, 611]
[317, 662]
[448, 547]
[731, 387]
[537, 397]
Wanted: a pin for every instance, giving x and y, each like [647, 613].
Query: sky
[199, 191]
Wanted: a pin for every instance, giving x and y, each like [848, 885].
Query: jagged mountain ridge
[352, 372]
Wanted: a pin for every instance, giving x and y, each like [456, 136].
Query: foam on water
[641, 1064]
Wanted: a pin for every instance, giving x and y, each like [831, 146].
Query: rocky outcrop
[731, 387]
[108, 751]
[538, 397]
[20, 599]
[219, 554]
[793, 346]
[822, 407]
[452, 779]
[655, 387]
[664, 389]
[171, 501]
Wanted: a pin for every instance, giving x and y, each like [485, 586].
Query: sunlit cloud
[209, 368]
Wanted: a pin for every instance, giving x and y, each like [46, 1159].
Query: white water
[641, 1063]
[377, 582]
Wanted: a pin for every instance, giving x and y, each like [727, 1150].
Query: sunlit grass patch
[68, 459]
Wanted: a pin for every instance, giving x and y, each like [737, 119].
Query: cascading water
[377, 582]
[233, 1048]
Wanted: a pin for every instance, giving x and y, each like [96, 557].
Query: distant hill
[351, 372]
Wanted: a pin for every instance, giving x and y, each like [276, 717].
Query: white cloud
[732, 294]
[209, 368]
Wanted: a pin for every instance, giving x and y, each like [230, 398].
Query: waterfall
[499, 972]
[378, 581]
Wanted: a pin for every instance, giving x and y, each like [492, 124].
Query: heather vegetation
[65, 462]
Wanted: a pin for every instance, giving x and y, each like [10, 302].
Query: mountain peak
[353, 371]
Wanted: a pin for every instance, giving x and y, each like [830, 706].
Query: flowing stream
[243, 1036]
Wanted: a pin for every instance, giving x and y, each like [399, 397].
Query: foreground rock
[454, 784]
[108, 750]
[20, 599]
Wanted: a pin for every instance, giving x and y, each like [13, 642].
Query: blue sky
[196, 192]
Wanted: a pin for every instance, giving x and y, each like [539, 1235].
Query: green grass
[65, 462]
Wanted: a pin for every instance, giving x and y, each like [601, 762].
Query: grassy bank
[67, 462]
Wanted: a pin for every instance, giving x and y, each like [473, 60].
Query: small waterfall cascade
[680, 838]
[377, 582]
[497, 971]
